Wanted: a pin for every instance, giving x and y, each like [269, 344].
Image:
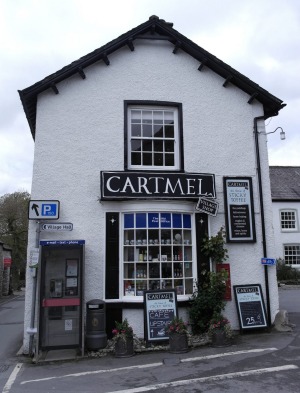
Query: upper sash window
[153, 138]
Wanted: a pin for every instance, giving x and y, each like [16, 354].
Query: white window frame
[292, 211]
[177, 147]
[298, 254]
[162, 206]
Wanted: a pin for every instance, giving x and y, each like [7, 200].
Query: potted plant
[220, 331]
[178, 335]
[123, 338]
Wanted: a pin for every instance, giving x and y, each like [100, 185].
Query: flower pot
[178, 342]
[124, 347]
[219, 338]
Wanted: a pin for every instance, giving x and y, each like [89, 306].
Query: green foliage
[207, 301]
[122, 330]
[214, 247]
[286, 272]
[14, 230]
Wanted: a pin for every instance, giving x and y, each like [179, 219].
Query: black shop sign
[250, 306]
[160, 307]
[141, 185]
[240, 224]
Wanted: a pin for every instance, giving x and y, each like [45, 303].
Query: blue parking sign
[41, 210]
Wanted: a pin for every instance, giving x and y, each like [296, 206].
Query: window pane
[147, 130]
[169, 160]
[158, 117]
[158, 159]
[158, 131]
[153, 220]
[169, 131]
[128, 220]
[140, 220]
[177, 221]
[158, 145]
[147, 117]
[136, 158]
[136, 116]
[147, 145]
[186, 221]
[147, 159]
[165, 220]
[169, 117]
[135, 145]
[169, 146]
[136, 130]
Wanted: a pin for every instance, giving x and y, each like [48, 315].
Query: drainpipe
[262, 215]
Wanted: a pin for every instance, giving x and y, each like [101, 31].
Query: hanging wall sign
[250, 306]
[160, 307]
[240, 224]
[141, 185]
[207, 206]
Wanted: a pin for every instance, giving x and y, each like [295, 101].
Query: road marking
[159, 364]
[12, 378]
[96, 372]
[213, 378]
[226, 354]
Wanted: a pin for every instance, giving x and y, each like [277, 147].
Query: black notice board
[250, 306]
[160, 307]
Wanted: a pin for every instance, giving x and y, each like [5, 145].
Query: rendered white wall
[80, 131]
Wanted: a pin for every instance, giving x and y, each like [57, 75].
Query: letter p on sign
[48, 210]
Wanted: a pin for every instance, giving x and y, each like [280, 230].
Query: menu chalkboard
[160, 307]
[250, 306]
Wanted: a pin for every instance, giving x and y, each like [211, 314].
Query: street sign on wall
[57, 227]
[268, 261]
[43, 210]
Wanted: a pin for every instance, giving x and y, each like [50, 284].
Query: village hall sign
[141, 185]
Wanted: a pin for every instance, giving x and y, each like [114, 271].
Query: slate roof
[285, 183]
[153, 29]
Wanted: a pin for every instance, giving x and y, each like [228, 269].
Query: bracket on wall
[54, 88]
[81, 73]
[177, 46]
[130, 44]
[227, 80]
[105, 59]
[254, 95]
[202, 64]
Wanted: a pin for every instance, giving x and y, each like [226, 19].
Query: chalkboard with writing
[250, 306]
[160, 307]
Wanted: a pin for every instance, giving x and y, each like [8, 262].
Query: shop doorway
[61, 292]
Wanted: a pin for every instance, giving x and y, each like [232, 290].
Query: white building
[127, 138]
[285, 189]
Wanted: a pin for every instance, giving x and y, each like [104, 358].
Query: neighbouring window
[153, 138]
[288, 219]
[292, 254]
[157, 252]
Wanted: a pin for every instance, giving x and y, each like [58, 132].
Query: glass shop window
[157, 253]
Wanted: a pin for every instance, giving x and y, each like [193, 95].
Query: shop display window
[157, 253]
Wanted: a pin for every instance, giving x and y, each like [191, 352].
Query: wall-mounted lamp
[282, 133]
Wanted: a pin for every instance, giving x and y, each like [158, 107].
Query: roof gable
[153, 29]
[285, 183]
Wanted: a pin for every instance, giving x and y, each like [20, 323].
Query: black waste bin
[96, 337]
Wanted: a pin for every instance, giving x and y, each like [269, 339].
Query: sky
[259, 38]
